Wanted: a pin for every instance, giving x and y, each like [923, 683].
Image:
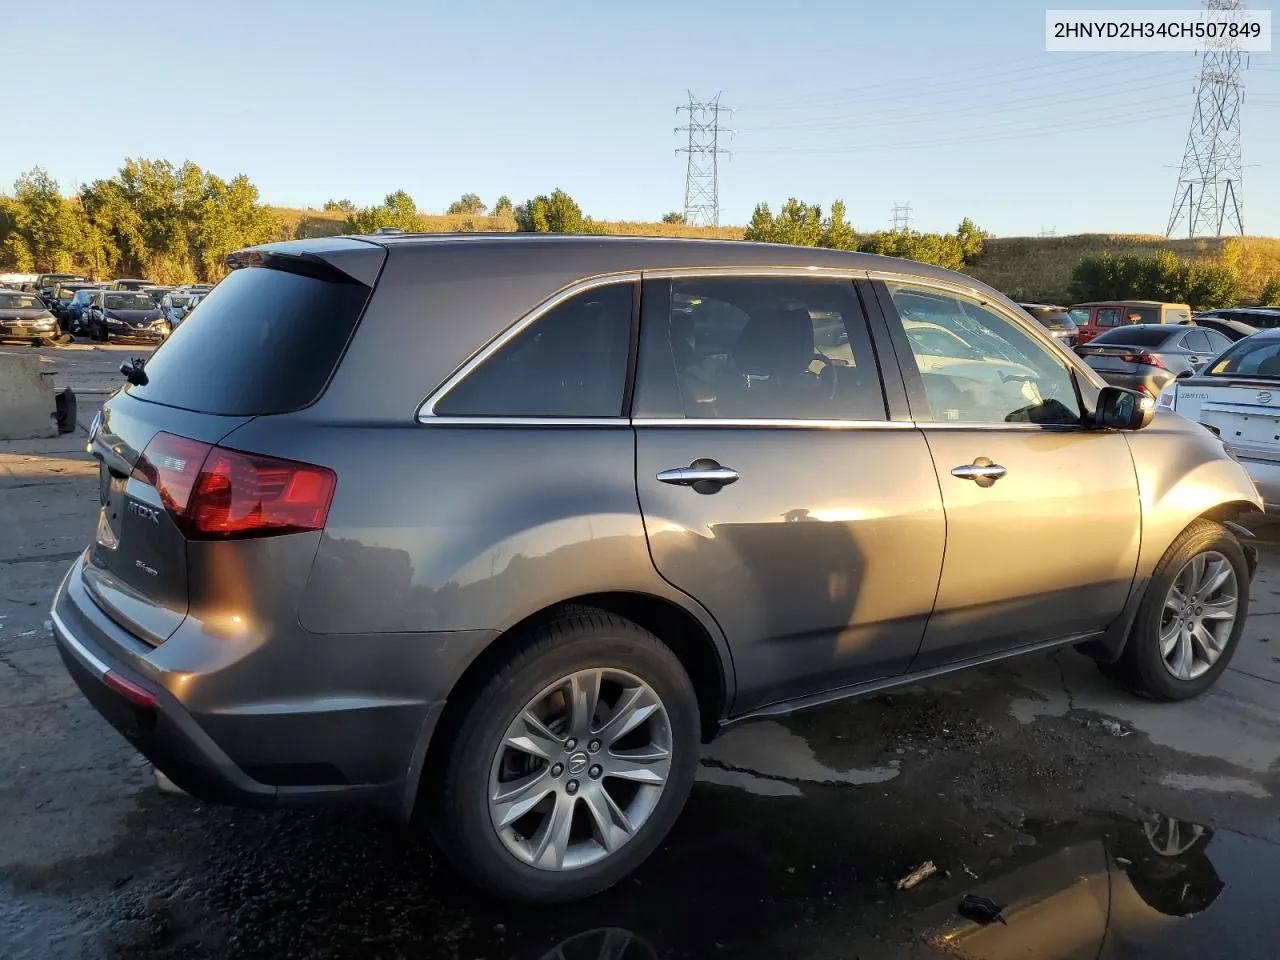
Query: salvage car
[1238, 398]
[23, 316]
[495, 531]
[1147, 356]
[133, 314]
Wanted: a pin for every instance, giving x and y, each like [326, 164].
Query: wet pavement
[1103, 826]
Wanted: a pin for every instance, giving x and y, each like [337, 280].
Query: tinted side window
[1196, 342]
[1107, 316]
[977, 366]
[570, 362]
[773, 349]
[1217, 341]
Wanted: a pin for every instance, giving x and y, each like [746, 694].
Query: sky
[953, 107]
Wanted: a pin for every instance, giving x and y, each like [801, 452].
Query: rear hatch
[1245, 412]
[266, 341]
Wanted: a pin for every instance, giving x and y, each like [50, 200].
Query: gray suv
[494, 531]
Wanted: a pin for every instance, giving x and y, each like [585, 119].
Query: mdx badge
[143, 511]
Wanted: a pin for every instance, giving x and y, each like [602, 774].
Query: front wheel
[573, 762]
[1190, 621]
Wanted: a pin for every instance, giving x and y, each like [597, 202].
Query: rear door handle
[982, 472]
[704, 475]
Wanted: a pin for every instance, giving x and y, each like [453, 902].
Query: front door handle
[704, 475]
[982, 472]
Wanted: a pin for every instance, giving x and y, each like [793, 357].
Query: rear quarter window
[263, 341]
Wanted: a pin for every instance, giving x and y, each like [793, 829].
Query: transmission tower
[702, 178]
[901, 216]
[1208, 198]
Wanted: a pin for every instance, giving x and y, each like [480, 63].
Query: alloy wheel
[1199, 614]
[580, 769]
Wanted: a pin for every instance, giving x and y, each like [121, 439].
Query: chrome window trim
[743, 422]
[1035, 330]
[524, 421]
[426, 410]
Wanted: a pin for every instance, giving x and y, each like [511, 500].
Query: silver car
[496, 530]
[1147, 357]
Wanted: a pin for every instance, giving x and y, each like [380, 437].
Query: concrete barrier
[27, 405]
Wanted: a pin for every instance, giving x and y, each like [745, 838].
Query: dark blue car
[124, 313]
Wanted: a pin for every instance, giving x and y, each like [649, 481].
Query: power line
[702, 176]
[1208, 196]
[1017, 131]
[891, 116]
[960, 83]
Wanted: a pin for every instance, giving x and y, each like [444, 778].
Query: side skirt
[788, 707]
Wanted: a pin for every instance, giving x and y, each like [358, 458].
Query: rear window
[1054, 320]
[1130, 337]
[263, 341]
[1254, 357]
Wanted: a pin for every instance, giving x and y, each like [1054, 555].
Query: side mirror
[1120, 409]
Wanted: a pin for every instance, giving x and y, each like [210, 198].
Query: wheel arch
[1109, 647]
[695, 643]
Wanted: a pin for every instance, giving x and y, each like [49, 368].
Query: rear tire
[589, 771]
[1191, 618]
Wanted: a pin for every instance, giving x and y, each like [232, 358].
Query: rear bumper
[334, 729]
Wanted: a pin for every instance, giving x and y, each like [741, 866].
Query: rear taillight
[214, 493]
[1144, 359]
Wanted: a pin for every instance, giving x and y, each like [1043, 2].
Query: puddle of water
[760, 786]
[771, 749]
[1206, 784]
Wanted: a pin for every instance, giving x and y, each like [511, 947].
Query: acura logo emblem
[1264, 396]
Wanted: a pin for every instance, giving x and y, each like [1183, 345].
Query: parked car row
[125, 307]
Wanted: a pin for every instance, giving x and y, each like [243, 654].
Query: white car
[1237, 396]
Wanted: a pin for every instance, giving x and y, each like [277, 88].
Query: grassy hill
[1025, 268]
[322, 223]
[1039, 268]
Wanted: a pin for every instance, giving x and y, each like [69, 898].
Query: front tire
[572, 763]
[1190, 621]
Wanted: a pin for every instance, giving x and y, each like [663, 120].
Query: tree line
[176, 224]
[1166, 276]
[154, 219]
[803, 224]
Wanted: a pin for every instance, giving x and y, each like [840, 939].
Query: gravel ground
[1100, 822]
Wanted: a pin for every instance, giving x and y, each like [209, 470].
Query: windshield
[1131, 337]
[129, 301]
[1253, 357]
[19, 301]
